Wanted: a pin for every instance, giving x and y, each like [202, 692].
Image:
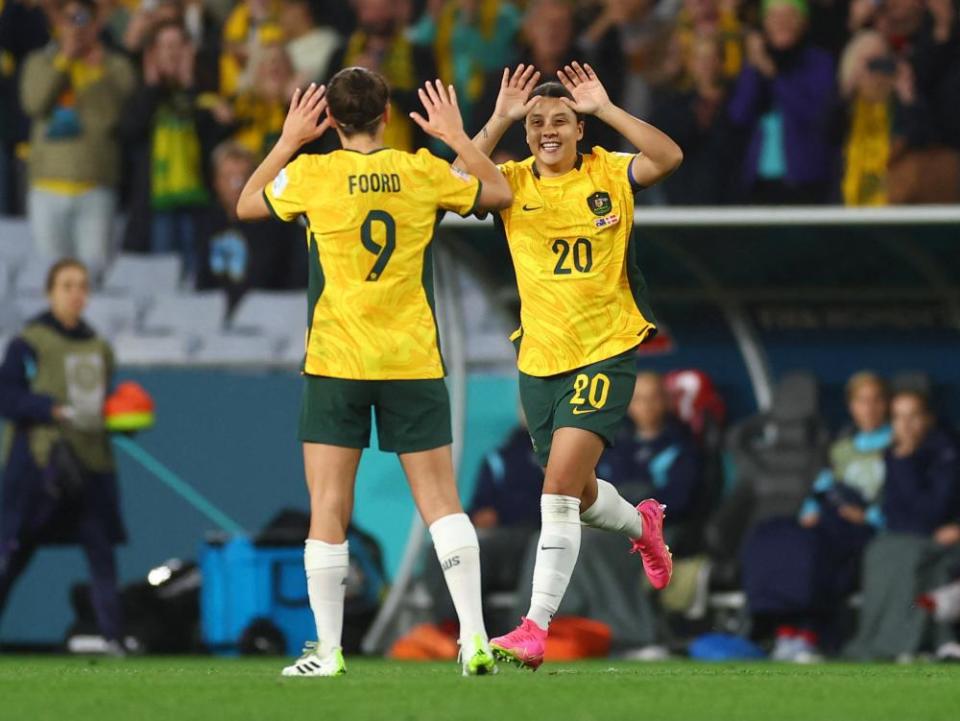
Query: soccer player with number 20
[583, 312]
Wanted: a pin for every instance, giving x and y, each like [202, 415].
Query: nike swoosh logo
[582, 412]
[536, 207]
[552, 548]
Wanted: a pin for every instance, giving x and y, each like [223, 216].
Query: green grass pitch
[183, 689]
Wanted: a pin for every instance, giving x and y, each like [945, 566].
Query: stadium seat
[143, 275]
[17, 245]
[778, 453]
[111, 315]
[30, 278]
[278, 314]
[226, 349]
[290, 352]
[9, 319]
[197, 314]
[27, 306]
[131, 349]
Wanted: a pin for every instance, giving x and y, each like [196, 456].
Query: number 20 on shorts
[596, 389]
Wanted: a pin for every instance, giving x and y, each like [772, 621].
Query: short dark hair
[231, 150]
[357, 98]
[60, 266]
[922, 398]
[157, 29]
[554, 89]
[90, 5]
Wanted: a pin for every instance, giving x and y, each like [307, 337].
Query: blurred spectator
[842, 514]
[470, 38]
[701, 20]
[163, 127]
[926, 36]
[239, 256]
[241, 38]
[881, 117]
[59, 482]
[139, 24]
[783, 99]
[202, 32]
[508, 486]
[379, 43]
[261, 107]
[656, 457]
[310, 47]
[24, 27]
[74, 92]
[919, 547]
[851, 489]
[696, 118]
[630, 36]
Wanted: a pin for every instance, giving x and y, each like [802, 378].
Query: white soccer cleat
[310, 664]
[476, 656]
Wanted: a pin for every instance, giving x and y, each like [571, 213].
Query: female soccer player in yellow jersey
[372, 335]
[583, 312]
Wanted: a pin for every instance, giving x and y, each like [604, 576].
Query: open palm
[443, 119]
[589, 95]
[303, 124]
[514, 102]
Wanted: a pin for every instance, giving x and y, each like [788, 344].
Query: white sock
[557, 553]
[455, 541]
[612, 512]
[326, 567]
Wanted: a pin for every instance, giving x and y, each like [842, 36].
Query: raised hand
[443, 119]
[303, 124]
[589, 95]
[514, 102]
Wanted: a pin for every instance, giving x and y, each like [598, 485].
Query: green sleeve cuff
[476, 200]
[273, 212]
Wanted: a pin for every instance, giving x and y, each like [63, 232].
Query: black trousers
[92, 537]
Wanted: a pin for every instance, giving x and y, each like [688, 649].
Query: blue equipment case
[243, 583]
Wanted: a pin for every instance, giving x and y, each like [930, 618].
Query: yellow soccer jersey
[582, 296]
[371, 219]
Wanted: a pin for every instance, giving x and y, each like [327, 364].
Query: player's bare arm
[445, 123]
[302, 126]
[513, 104]
[659, 155]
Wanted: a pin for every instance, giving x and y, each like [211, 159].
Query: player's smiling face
[552, 134]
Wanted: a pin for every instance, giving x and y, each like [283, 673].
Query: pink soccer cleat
[524, 645]
[657, 561]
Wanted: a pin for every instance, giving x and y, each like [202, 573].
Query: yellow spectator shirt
[371, 219]
[582, 296]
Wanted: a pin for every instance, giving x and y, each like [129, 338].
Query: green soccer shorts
[412, 415]
[594, 398]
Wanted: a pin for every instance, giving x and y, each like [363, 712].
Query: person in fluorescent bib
[583, 312]
[372, 340]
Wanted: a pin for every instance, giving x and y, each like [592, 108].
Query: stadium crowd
[155, 111]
